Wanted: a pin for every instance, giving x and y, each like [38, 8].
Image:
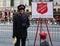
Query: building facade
[12, 3]
[57, 9]
[4, 3]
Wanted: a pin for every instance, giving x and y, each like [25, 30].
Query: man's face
[21, 11]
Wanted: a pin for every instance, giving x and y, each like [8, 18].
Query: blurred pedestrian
[20, 25]
[0, 16]
[11, 16]
[6, 17]
[14, 12]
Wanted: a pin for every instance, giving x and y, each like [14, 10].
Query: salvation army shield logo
[42, 8]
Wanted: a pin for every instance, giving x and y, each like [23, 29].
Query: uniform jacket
[20, 25]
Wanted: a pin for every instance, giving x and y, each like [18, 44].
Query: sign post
[41, 10]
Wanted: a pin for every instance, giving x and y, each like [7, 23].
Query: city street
[23, 12]
[6, 35]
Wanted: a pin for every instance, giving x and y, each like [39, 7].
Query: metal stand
[40, 23]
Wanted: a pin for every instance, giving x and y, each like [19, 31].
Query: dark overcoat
[20, 25]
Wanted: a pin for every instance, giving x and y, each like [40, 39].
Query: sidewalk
[6, 35]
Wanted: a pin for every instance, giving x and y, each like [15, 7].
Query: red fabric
[43, 35]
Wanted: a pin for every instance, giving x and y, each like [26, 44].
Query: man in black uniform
[20, 25]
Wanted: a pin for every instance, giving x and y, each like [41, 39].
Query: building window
[59, 11]
[1, 3]
[54, 10]
[7, 3]
[26, 2]
[16, 3]
[30, 2]
[50, 0]
[12, 2]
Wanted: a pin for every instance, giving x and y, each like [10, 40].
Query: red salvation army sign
[42, 9]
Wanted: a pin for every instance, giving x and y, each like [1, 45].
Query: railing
[6, 33]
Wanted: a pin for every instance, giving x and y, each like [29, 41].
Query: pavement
[6, 35]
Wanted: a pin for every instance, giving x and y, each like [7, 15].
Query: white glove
[14, 40]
